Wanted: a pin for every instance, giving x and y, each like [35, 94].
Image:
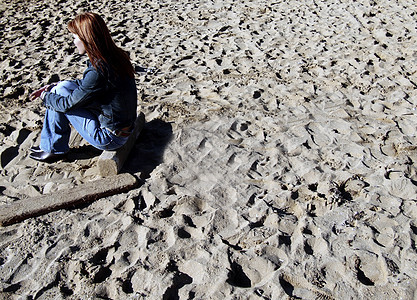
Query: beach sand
[277, 161]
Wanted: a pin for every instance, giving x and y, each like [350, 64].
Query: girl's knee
[64, 88]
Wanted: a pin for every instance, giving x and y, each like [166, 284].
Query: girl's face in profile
[79, 44]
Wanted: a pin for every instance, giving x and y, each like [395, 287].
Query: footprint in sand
[252, 270]
[8, 154]
[300, 288]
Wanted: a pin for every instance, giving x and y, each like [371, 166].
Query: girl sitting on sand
[101, 106]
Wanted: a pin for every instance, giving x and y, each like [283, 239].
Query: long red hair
[99, 45]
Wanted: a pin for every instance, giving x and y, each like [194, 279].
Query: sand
[277, 162]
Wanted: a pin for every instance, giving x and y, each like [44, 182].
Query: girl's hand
[37, 94]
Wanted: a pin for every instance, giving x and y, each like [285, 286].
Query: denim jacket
[113, 99]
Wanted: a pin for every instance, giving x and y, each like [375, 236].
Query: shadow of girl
[149, 148]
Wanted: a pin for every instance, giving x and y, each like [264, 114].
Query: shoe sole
[52, 159]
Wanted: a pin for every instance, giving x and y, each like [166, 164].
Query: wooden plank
[85, 193]
[110, 162]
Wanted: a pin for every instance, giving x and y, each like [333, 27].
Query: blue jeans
[56, 127]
